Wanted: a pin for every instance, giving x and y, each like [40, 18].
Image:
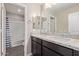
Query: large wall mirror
[59, 18]
[36, 22]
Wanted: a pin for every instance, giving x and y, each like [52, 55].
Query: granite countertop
[63, 41]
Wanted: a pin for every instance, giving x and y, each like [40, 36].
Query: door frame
[1, 29]
[3, 17]
[26, 26]
[27, 23]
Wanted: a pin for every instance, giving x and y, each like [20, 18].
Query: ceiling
[15, 9]
[55, 8]
[12, 8]
[61, 6]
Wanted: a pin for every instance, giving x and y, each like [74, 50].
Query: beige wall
[62, 18]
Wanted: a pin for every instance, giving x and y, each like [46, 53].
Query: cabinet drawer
[36, 39]
[60, 49]
[48, 52]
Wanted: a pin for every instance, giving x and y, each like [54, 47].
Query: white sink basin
[59, 39]
[74, 41]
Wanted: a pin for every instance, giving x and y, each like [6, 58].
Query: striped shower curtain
[8, 36]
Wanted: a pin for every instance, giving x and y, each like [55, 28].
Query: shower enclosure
[14, 35]
[13, 30]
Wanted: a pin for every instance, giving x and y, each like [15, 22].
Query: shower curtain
[15, 32]
[8, 37]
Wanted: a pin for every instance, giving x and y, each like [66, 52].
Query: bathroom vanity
[43, 45]
[62, 23]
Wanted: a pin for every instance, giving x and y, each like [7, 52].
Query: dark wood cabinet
[45, 48]
[59, 49]
[75, 53]
[34, 44]
[36, 47]
[47, 52]
[36, 40]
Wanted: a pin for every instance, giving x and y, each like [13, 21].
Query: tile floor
[15, 51]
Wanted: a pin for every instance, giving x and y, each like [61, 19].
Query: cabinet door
[75, 53]
[60, 49]
[33, 48]
[36, 40]
[48, 52]
[36, 49]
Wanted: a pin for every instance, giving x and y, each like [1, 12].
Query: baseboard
[30, 54]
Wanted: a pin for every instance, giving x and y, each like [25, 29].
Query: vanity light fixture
[49, 5]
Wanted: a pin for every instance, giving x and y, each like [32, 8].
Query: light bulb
[48, 5]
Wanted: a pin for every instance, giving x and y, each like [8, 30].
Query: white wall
[0, 29]
[17, 27]
[28, 29]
